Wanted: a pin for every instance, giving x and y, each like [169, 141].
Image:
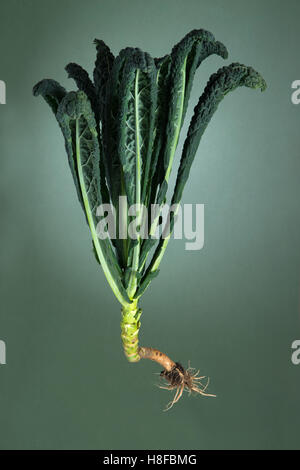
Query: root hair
[180, 380]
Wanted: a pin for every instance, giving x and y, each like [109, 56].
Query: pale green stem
[130, 325]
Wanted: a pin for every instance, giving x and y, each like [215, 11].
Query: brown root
[181, 380]
[176, 377]
[157, 356]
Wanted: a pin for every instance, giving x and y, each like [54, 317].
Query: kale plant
[121, 132]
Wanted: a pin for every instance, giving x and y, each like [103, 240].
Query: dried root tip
[181, 379]
[157, 356]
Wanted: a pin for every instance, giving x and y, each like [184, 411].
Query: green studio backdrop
[232, 308]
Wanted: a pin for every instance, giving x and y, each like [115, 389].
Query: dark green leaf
[110, 131]
[84, 83]
[220, 84]
[51, 91]
[102, 71]
[156, 174]
[136, 121]
[75, 112]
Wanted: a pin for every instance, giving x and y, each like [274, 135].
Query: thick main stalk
[130, 325]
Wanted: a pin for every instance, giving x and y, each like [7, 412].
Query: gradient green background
[232, 308]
